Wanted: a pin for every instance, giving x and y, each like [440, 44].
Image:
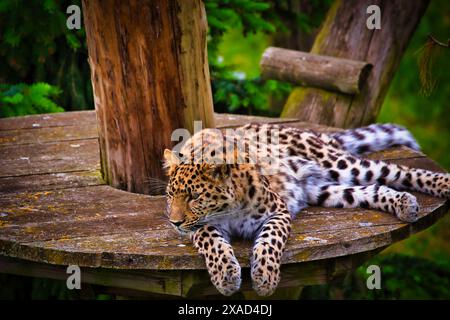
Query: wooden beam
[149, 70]
[194, 284]
[344, 34]
[306, 69]
[167, 282]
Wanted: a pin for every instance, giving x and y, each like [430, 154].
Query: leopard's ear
[170, 160]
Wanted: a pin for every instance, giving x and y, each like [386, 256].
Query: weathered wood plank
[78, 203]
[48, 134]
[65, 156]
[395, 153]
[51, 181]
[412, 162]
[49, 120]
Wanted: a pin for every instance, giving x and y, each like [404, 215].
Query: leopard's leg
[268, 248]
[222, 265]
[347, 169]
[402, 204]
[404, 178]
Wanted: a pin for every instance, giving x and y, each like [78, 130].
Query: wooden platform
[55, 210]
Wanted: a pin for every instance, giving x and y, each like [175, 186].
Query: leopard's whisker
[224, 213]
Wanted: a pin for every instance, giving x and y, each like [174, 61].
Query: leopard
[252, 181]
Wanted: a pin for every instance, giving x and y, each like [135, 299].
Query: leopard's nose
[176, 223]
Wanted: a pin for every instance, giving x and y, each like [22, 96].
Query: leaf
[15, 99]
[73, 41]
[234, 101]
[24, 99]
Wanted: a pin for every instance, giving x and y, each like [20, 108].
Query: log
[344, 34]
[306, 69]
[149, 70]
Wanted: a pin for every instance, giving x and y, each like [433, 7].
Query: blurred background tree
[44, 68]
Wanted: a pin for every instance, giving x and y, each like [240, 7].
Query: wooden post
[306, 69]
[149, 70]
[344, 34]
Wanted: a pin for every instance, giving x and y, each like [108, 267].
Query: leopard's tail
[374, 138]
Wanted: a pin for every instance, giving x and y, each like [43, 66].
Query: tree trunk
[150, 76]
[344, 35]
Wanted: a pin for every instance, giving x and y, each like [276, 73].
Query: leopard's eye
[195, 195]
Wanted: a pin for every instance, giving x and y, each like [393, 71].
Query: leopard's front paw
[265, 269]
[407, 208]
[226, 275]
[265, 279]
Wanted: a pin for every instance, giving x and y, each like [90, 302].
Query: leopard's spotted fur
[214, 202]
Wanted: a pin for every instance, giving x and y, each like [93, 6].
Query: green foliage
[402, 277]
[32, 32]
[36, 46]
[255, 16]
[21, 99]
[14, 287]
[405, 277]
[232, 91]
[235, 95]
[224, 15]
[248, 20]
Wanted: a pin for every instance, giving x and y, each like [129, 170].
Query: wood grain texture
[56, 210]
[54, 157]
[48, 134]
[149, 70]
[344, 35]
[73, 118]
[312, 70]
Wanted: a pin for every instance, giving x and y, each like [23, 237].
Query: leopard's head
[197, 192]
